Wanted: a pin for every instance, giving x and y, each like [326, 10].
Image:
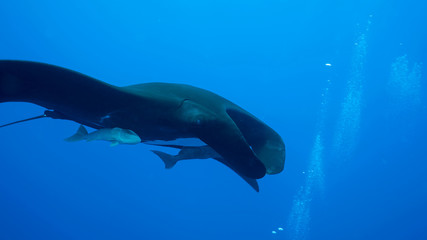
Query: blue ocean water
[343, 83]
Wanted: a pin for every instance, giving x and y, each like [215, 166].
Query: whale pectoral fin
[252, 182]
[227, 140]
[114, 143]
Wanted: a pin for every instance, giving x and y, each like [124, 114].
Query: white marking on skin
[105, 117]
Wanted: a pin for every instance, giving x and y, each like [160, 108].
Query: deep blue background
[267, 56]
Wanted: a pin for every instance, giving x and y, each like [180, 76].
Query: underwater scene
[213, 120]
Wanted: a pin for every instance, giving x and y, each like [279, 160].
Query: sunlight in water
[404, 84]
[346, 134]
[299, 218]
[300, 214]
[315, 177]
[345, 140]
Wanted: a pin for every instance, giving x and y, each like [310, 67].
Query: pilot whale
[153, 111]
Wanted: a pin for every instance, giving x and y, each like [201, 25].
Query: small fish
[197, 152]
[114, 135]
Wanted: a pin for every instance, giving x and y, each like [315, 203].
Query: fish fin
[79, 135]
[168, 160]
[114, 143]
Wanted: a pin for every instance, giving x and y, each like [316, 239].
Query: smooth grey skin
[199, 152]
[154, 111]
[114, 135]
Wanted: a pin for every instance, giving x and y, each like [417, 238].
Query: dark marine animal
[154, 111]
